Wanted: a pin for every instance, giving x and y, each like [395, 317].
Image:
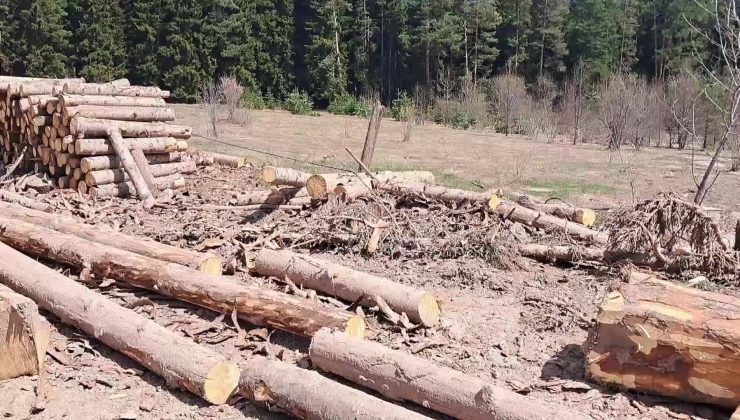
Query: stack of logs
[60, 127]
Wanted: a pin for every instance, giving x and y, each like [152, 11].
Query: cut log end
[211, 265]
[355, 327]
[316, 186]
[429, 310]
[493, 202]
[269, 174]
[585, 217]
[221, 383]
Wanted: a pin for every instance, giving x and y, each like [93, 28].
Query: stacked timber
[60, 127]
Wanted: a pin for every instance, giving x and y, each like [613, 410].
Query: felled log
[24, 335]
[129, 166]
[228, 160]
[351, 285]
[288, 195]
[122, 113]
[658, 337]
[447, 195]
[127, 189]
[560, 253]
[97, 163]
[145, 170]
[102, 146]
[320, 185]
[12, 197]
[74, 100]
[110, 176]
[584, 216]
[549, 222]
[307, 395]
[111, 89]
[284, 176]
[256, 305]
[181, 362]
[204, 262]
[92, 127]
[403, 377]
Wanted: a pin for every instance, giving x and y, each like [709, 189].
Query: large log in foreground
[308, 395]
[24, 335]
[256, 305]
[658, 337]
[549, 222]
[181, 362]
[206, 263]
[348, 284]
[404, 377]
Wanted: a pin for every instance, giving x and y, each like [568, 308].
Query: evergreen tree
[513, 34]
[547, 46]
[98, 39]
[483, 21]
[144, 32]
[593, 36]
[274, 29]
[327, 56]
[235, 43]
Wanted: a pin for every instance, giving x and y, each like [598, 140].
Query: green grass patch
[566, 189]
[441, 178]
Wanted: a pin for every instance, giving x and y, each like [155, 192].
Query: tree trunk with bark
[98, 163]
[110, 176]
[288, 195]
[93, 127]
[444, 194]
[284, 176]
[121, 113]
[67, 101]
[584, 216]
[320, 185]
[98, 146]
[129, 165]
[126, 189]
[110, 89]
[550, 223]
[24, 335]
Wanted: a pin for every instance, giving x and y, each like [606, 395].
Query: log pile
[60, 127]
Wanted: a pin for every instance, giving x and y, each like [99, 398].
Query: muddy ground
[516, 323]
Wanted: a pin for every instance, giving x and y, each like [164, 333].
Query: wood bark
[96, 163]
[284, 176]
[351, 285]
[549, 223]
[109, 176]
[146, 173]
[110, 89]
[552, 254]
[308, 395]
[92, 127]
[121, 113]
[95, 147]
[181, 362]
[24, 335]
[403, 377]
[204, 262]
[288, 195]
[127, 161]
[371, 137]
[444, 194]
[321, 184]
[75, 100]
[658, 337]
[584, 216]
[126, 189]
[12, 197]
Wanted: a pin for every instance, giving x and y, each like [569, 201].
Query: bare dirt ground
[585, 174]
[513, 322]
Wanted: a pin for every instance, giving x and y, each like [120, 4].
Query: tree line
[330, 48]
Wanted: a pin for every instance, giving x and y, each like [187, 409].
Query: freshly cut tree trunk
[447, 195]
[204, 262]
[658, 337]
[93, 147]
[548, 222]
[584, 216]
[307, 395]
[181, 362]
[92, 127]
[97, 163]
[228, 160]
[284, 176]
[24, 335]
[127, 161]
[122, 113]
[276, 196]
[551, 254]
[258, 306]
[111, 89]
[109, 176]
[12, 197]
[74, 100]
[345, 283]
[321, 184]
[146, 173]
[403, 377]
[126, 189]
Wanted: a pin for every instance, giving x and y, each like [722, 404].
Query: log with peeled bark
[110, 89]
[447, 195]
[658, 337]
[320, 185]
[549, 222]
[308, 395]
[181, 362]
[121, 113]
[204, 262]
[97, 163]
[256, 305]
[24, 335]
[129, 166]
[75, 100]
[102, 146]
[403, 377]
[126, 189]
[110, 176]
[584, 216]
[92, 127]
[12, 197]
[348, 284]
[284, 176]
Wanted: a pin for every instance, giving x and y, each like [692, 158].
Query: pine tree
[483, 21]
[327, 56]
[144, 35]
[513, 34]
[98, 39]
[274, 29]
[593, 36]
[235, 44]
[547, 45]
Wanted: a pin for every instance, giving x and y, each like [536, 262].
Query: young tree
[574, 100]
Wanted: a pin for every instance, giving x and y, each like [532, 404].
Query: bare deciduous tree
[622, 110]
[574, 101]
[682, 102]
[509, 99]
[210, 99]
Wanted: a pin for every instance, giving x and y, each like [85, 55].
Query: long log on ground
[584, 216]
[447, 195]
[102, 146]
[561, 253]
[256, 305]
[97, 163]
[658, 337]
[549, 222]
[122, 113]
[274, 196]
[181, 362]
[403, 377]
[110, 89]
[110, 176]
[308, 395]
[12, 197]
[126, 189]
[345, 283]
[24, 335]
[320, 185]
[92, 127]
[228, 160]
[75, 100]
[284, 176]
[129, 166]
[204, 262]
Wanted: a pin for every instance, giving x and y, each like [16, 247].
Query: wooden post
[127, 161]
[373, 127]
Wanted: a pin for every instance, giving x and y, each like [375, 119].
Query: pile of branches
[676, 234]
